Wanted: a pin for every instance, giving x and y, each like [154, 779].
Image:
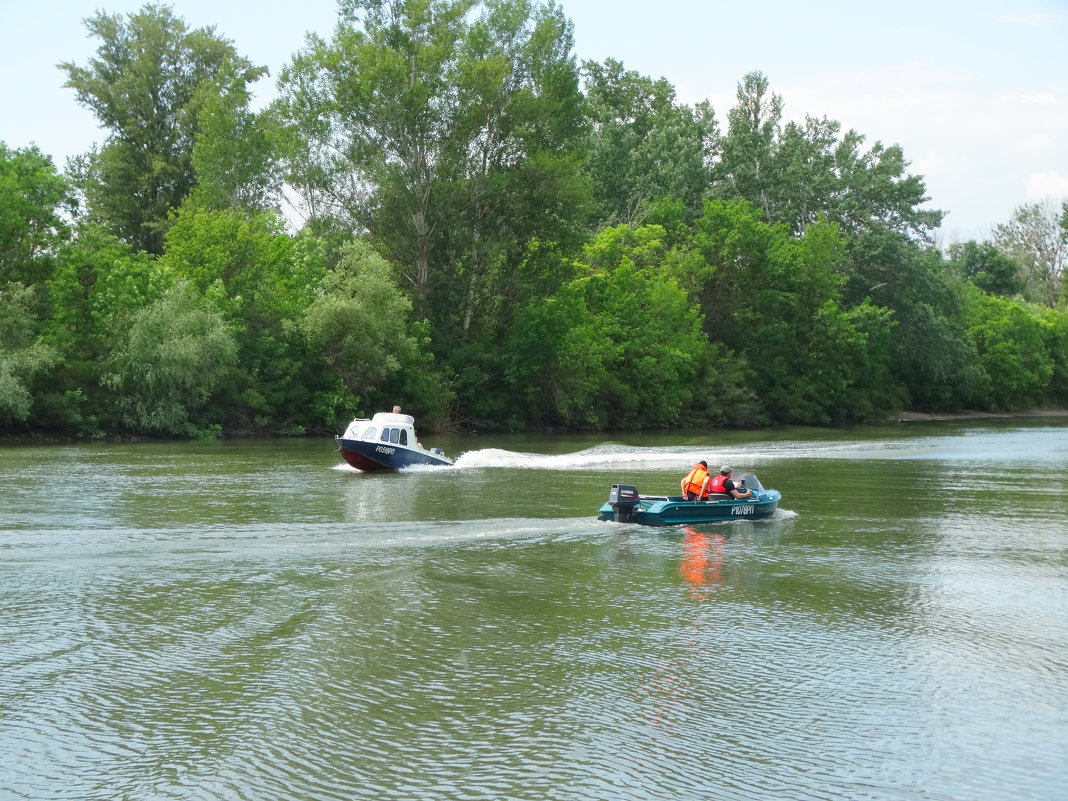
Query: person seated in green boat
[723, 483]
[695, 485]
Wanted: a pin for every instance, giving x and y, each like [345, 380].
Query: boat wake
[612, 456]
[615, 457]
[607, 456]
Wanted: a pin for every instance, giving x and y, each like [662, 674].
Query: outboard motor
[623, 498]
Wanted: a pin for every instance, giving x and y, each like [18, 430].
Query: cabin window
[394, 435]
[404, 436]
[370, 433]
[385, 435]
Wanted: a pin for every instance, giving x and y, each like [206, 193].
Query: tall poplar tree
[377, 118]
[447, 138]
[796, 172]
[643, 144]
[146, 87]
[746, 168]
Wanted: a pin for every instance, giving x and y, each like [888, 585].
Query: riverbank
[52, 438]
[927, 417]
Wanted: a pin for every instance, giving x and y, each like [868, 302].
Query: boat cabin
[396, 429]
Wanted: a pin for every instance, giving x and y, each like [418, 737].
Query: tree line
[444, 209]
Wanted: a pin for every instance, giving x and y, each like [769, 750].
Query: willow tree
[177, 352]
[446, 137]
[146, 87]
[23, 356]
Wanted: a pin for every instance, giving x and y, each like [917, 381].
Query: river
[256, 620]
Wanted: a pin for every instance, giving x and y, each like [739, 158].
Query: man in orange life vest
[723, 483]
[695, 485]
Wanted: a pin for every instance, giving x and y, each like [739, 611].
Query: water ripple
[859, 648]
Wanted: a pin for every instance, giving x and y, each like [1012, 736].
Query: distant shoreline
[40, 438]
[929, 417]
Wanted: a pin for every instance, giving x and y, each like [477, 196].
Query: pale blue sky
[976, 93]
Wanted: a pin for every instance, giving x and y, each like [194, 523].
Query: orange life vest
[694, 480]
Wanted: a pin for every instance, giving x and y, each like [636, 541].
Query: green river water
[256, 620]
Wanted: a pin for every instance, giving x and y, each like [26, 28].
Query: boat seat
[718, 496]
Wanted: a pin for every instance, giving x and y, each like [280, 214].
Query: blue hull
[378, 456]
[662, 510]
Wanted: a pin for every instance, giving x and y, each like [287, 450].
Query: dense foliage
[492, 235]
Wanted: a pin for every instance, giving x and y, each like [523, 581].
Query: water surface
[248, 620]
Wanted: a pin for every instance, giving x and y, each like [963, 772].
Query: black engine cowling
[623, 498]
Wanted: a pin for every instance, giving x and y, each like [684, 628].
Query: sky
[975, 93]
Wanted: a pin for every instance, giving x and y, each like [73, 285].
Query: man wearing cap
[723, 483]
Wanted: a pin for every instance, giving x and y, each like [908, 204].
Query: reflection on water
[250, 621]
[667, 697]
[702, 558]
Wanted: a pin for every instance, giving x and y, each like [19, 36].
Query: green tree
[1056, 338]
[796, 173]
[261, 282]
[648, 316]
[745, 170]
[97, 287]
[177, 352]
[620, 346]
[33, 199]
[446, 137]
[643, 145]
[23, 356]
[34, 203]
[246, 260]
[557, 362]
[1011, 342]
[377, 111]
[236, 155]
[931, 354]
[360, 322]
[874, 190]
[986, 267]
[776, 302]
[1038, 242]
[806, 178]
[147, 86]
[520, 179]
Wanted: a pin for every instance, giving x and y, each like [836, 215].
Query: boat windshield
[750, 479]
[370, 432]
